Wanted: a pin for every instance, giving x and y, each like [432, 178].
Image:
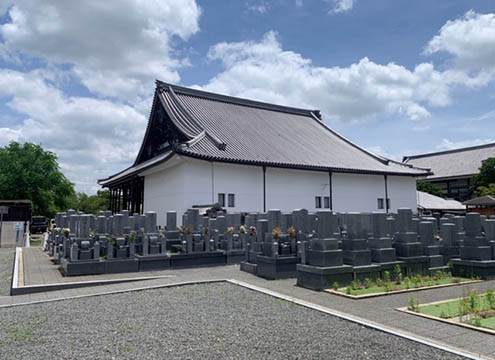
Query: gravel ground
[207, 321]
[6, 263]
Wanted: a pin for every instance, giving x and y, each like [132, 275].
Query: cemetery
[472, 310]
[352, 253]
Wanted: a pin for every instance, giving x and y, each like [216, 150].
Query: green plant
[407, 282]
[388, 286]
[413, 305]
[443, 315]
[490, 298]
[476, 321]
[473, 301]
[416, 280]
[379, 282]
[335, 285]
[398, 274]
[348, 290]
[132, 237]
[368, 283]
[386, 276]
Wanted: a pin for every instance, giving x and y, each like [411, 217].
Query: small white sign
[17, 226]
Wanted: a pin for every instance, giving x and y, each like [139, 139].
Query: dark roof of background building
[463, 162]
[228, 129]
[487, 200]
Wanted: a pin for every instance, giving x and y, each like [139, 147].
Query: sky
[397, 77]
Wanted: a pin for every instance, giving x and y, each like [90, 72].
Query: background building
[453, 169]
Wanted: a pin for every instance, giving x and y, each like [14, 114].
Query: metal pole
[1, 221]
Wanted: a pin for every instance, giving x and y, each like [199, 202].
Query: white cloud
[446, 144]
[470, 40]
[299, 3]
[259, 8]
[93, 138]
[264, 71]
[114, 50]
[341, 6]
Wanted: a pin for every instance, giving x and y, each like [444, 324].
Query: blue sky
[398, 77]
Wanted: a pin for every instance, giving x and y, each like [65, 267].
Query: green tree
[29, 172]
[485, 178]
[91, 204]
[430, 188]
[486, 190]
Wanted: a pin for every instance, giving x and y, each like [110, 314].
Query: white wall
[184, 182]
[402, 192]
[164, 191]
[357, 192]
[288, 189]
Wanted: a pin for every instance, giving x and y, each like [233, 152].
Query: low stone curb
[366, 296]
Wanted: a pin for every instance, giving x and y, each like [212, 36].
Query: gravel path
[6, 263]
[207, 321]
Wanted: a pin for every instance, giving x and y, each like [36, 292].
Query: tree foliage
[91, 204]
[486, 190]
[485, 179]
[29, 172]
[430, 188]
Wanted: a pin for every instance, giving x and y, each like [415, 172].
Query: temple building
[453, 170]
[248, 156]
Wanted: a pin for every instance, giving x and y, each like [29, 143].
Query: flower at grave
[292, 232]
[57, 229]
[189, 230]
[276, 232]
[132, 237]
[206, 230]
[162, 233]
[437, 238]
[252, 230]
[66, 231]
[181, 229]
[91, 234]
[230, 230]
[243, 229]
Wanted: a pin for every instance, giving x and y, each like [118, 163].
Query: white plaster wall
[357, 192]
[402, 192]
[164, 191]
[193, 182]
[288, 189]
[246, 182]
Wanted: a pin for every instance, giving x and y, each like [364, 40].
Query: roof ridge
[233, 100]
[468, 148]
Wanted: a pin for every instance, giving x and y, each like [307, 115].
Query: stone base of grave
[357, 257]
[170, 244]
[450, 253]
[235, 256]
[390, 267]
[444, 269]
[325, 258]
[277, 267]
[407, 250]
[361, 273]
[181, 261]
[435, 261]
[416, 265]
[386, 255]
[319, 278]
[473, 268]
[253, 256]
[77, 268]
[479, 253]
[115, 266]
[153, 262]
[249, 267]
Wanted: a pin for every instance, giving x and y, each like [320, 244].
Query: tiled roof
[453, 163]
[227, 129]
[487, 200]
[431, 202]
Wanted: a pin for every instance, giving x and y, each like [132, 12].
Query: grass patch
[370, 287]
[473, 309]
